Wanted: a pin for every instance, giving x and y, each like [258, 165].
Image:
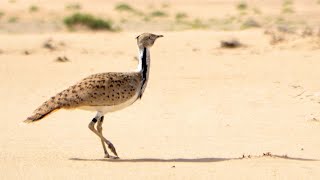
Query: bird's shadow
[192, 160]
[188, 160]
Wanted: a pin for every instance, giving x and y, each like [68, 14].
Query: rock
[62, 59]
[232, 43]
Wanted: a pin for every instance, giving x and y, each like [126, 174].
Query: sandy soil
[207, 113]
[204, 108]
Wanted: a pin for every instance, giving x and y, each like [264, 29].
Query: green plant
[287, 2]
[197, 24]
[1, 14]
[13, 19]
[242, 6]
[181, 15]
[250, 23]
[33, 8]
[280, 19]
[158, 13]
[89, 21]
[146, 18]
[287, 10]
[287, 6]
[123, 7]
[74, 6]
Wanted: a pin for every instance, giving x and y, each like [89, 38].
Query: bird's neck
[144, 59]
[144, 67]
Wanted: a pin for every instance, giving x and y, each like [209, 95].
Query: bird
[104, 93]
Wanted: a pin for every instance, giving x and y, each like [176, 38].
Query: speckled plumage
[104, 92]
[104, 89]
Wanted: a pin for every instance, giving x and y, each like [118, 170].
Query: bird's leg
[91, 127]
[99, 129]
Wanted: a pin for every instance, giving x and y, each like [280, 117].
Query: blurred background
[36, 16]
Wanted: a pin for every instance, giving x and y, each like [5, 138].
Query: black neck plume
[144, 70]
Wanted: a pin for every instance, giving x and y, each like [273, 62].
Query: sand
[204, 108]
[207, 113]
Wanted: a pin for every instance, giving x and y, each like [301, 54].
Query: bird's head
[146, 40]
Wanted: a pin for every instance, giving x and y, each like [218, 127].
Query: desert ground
[208, 112]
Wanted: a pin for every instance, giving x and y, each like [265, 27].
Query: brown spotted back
[105, 89]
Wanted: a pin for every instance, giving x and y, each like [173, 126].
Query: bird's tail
[42, 111]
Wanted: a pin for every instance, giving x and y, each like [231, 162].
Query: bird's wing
[104, 89]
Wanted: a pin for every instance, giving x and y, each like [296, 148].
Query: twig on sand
[299, 94]
[62, 59]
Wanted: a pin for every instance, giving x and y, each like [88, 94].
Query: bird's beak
[158, 36]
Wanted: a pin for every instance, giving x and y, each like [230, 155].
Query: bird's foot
[107, 156]
[113, 149]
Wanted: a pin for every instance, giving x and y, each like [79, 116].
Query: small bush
[146, 18]
[89, 21]
[197, 24]
[287, 10]
[242, 6]
[158, 13]
[1, 14]
[123, 7]
[33, 8]
[287, 3]
[181, 15]
[250, 23]
[13, 19]
[74, 6]
[287, 6]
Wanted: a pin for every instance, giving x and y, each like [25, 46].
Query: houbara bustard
[104, 92]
